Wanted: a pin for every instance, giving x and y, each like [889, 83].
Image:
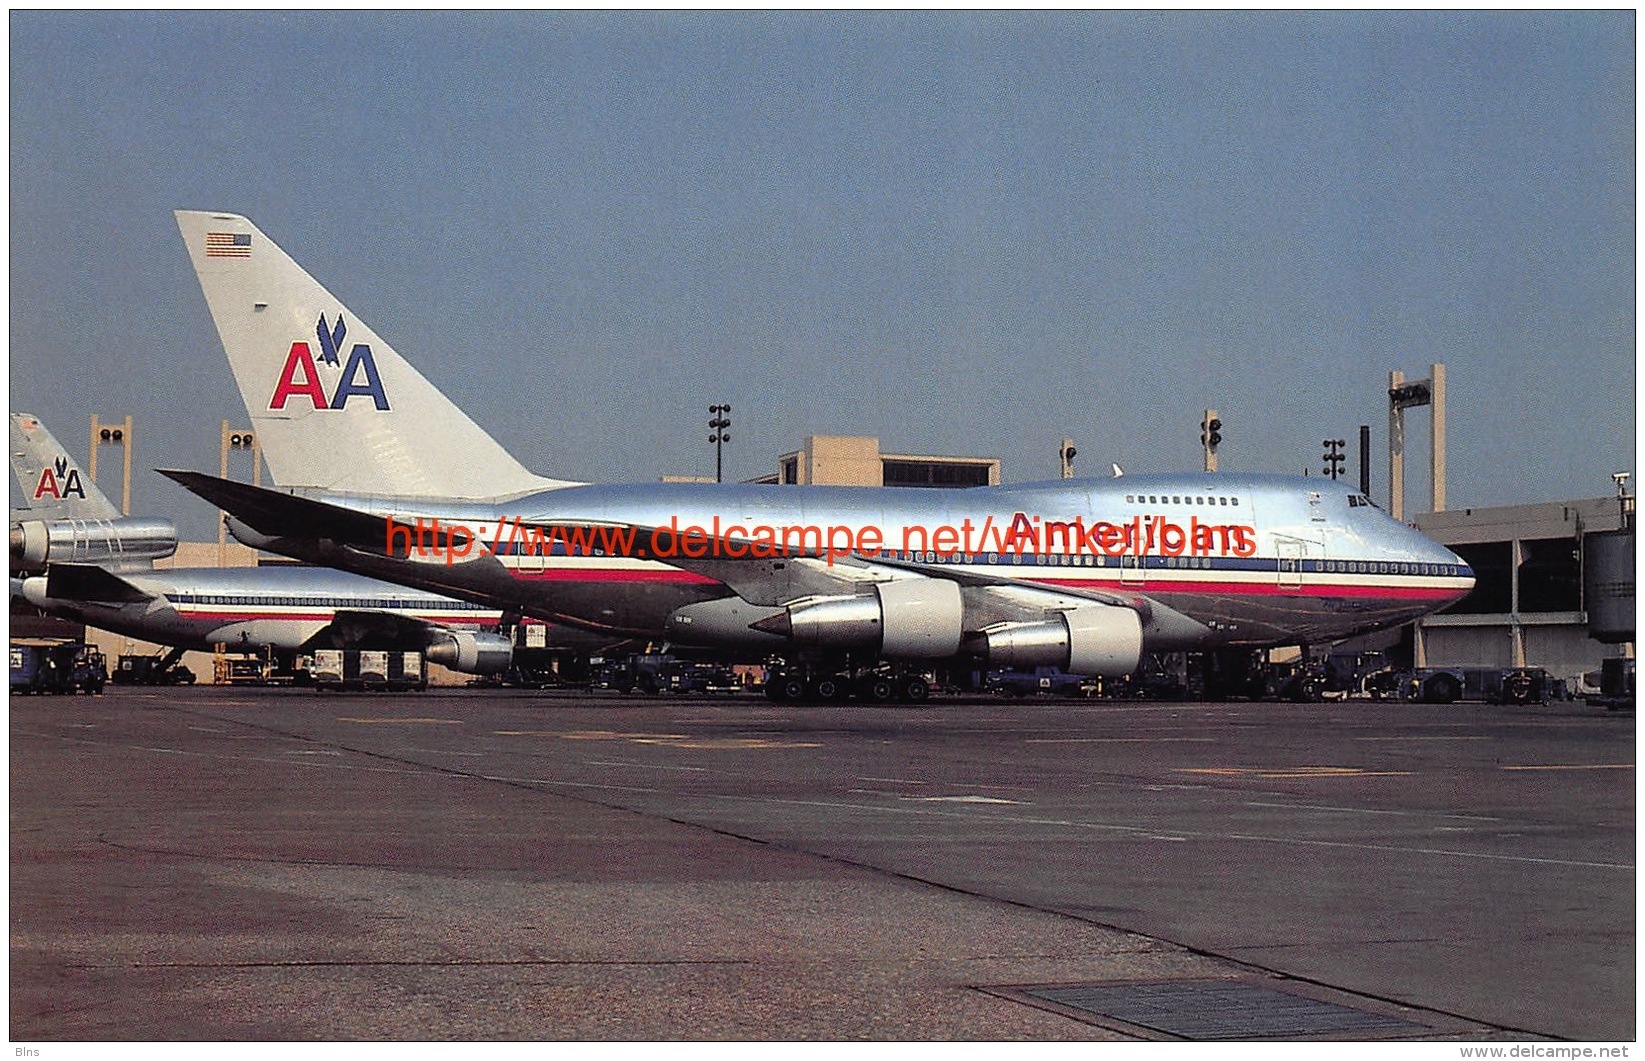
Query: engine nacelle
[36, 543]
[1094, 639]
[916, 618]
[726, 622]
[472, 652]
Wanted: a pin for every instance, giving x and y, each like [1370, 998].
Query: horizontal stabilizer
[282, 515]
[85, 582]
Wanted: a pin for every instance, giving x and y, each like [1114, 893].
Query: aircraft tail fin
[53, 485]
[334, 406]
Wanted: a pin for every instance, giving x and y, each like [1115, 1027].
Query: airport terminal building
[1554, 589]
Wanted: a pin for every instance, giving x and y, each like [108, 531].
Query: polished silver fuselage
[283, 607]
[1247, 560]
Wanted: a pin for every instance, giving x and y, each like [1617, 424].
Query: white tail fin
[332, 404]
[53, 485]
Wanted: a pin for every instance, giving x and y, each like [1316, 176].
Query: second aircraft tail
[53, 485]
[334, 406]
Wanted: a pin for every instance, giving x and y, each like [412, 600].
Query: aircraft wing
[1136, 602]
[358, 626]
[778, 581]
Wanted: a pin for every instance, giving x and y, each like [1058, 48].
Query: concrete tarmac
[207, 863]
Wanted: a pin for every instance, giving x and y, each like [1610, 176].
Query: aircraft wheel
[792, 689]
[828, 688]
[878, 688]
[1441, 689]
[1517, 688]
[916, 689]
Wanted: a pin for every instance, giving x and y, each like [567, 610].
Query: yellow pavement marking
[736, 743]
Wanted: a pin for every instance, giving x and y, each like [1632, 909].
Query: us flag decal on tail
[228, 244]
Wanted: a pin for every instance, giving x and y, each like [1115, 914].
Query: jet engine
[35, 543]
[1091, 639]
[917, 618]
[472, 652]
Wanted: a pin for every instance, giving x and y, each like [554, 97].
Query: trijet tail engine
[110, 542]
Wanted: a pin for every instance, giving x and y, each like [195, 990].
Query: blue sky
[968, 233]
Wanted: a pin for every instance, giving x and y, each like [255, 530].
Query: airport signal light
[1333, 457]
[114, 435]
[717, 434]
[1210, 437]
[238, 440]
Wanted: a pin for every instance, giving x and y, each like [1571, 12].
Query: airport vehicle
[1041, 680]
[1496, 685]
[165, 668]
[378, 472]
[288, 608]
[367, 670]
[1615, 681]
[661, 672]
[45, 666]
[259, 665]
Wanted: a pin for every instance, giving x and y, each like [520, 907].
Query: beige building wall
[850, 460]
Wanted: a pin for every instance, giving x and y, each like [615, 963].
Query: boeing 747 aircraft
[379, 473]
[290, 608]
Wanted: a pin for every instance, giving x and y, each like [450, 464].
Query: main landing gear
[801, 684]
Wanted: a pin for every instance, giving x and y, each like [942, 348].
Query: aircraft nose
[1459, 575]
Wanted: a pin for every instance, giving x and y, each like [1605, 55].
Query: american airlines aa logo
[58, 481]
[301, 376]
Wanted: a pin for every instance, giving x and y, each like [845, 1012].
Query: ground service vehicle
[1042, 680]
[656, 672]
[367, 670]
[41, 666]
[1496, 685]
[163, 669]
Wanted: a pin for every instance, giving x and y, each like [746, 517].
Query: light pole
[237, 440]
[1210, 437]
[1403, 395]
[719, 420]
[1333, 457]
[111, 435]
